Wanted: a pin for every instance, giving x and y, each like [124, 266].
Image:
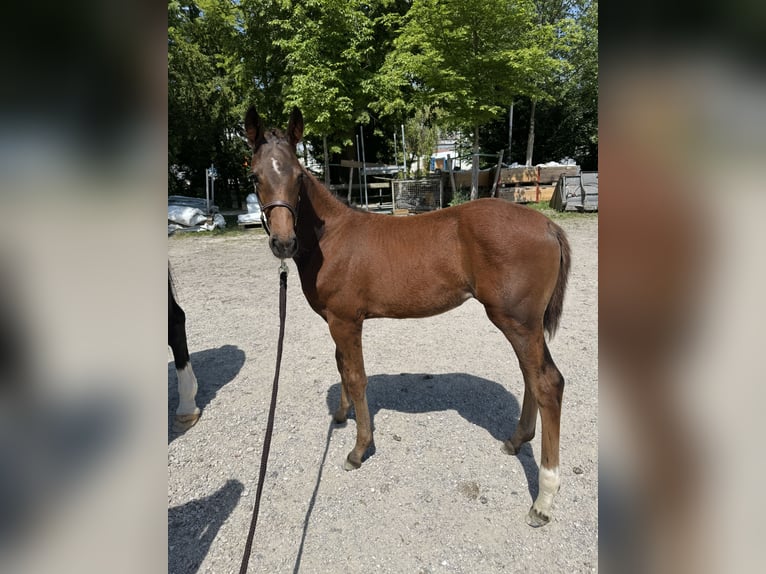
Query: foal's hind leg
[348, 341]
[544, 388]
[548, 388]
[525, 430]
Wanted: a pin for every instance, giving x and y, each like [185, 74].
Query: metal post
[510, 131]
[404, 154]
[364, 167]
[207, 189]
[396, 161]
[212, 187]
[359, 159]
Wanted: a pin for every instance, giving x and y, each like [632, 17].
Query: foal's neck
[318, 208]
[324, 204]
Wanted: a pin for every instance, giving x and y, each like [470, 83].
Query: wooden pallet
[527, 193]
[250, 225]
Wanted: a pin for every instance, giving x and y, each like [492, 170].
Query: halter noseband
[276, 203]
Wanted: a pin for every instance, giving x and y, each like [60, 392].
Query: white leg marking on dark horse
[187, 390]
[549, 481]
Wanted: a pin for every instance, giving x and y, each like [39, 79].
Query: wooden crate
[527, 193]
[553, 173]
[463, 179]
[518, 175]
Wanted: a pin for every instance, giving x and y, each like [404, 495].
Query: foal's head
[278, 178]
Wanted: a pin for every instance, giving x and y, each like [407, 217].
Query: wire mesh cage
[423, 194]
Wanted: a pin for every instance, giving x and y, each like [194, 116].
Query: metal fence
[423, 194]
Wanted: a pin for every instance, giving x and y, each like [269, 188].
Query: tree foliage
[567, 122]
[427, 64]
[421, 134]
[205, 97]
[468, 57]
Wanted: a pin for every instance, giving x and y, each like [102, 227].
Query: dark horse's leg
[543, 390]
[187, 413]
[348, 341]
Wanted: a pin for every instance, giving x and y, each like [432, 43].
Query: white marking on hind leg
[549, 481]
[187, 390]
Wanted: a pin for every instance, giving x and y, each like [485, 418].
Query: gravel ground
[439, 495]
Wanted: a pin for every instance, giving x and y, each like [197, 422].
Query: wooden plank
[518, 175]
[546, 192]
[463, 179]
[527, 193]
[553, 173]
[357, 164]
[498, 169]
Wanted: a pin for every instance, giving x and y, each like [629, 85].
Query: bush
[459, 197]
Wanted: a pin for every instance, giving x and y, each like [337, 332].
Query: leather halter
[276, 203]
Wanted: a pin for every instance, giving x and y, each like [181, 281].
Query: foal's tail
[556, 304]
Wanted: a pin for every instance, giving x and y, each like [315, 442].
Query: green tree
[204, 94]
[565, 122]
[421, 134]
[262, 60]
[582, 86]
[330, 49]
[467, 57]
[554, 19]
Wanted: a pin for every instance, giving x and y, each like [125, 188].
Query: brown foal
[356, 265]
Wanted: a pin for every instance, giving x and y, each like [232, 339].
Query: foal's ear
[295, 126]
[253, 127]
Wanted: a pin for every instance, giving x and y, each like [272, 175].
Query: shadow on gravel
[214, 369]
[479, 401]
[193, 526]
[310, 510]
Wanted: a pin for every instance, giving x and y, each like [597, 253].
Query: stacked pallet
[531, 184]
[463, 179]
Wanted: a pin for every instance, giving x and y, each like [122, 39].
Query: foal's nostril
[283, 248]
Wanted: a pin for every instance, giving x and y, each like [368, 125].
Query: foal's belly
[414, 303]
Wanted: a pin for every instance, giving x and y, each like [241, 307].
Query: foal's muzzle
[283, 248]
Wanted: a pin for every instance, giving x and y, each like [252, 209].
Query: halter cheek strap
[277, 203]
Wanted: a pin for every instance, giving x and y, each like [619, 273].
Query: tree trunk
[326, 162]
[531, 138]
[475, 165]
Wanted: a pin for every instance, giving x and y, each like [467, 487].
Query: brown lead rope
[270, 423]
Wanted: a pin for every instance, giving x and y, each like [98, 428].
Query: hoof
[340, 418]
[508, 448]
[351, 464]
[536, 519]
[183, 423]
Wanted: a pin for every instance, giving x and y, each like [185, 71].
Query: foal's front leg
[348, 341]
[342, 413]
